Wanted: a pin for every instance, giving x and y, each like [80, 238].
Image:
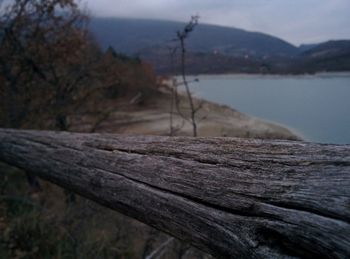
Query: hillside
[330, 56]
[217, 49]
[134, 35]
[307, 47]
[329, 49]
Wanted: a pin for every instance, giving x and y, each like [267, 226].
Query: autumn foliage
[50, 65]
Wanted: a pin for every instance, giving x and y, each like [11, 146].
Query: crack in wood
[291, 201]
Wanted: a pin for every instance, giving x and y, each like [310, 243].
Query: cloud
[298, 21]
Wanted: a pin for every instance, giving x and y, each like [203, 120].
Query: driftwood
[233, 198]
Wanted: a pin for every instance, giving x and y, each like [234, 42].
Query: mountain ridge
[215, 48]
[148, 33]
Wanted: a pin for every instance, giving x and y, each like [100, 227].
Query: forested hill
[218, 49]
[134, 35]
[333, 47]
[328, 56]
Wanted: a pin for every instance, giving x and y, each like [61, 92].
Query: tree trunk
[234, 198]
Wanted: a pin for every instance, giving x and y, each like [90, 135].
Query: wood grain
[234, 198]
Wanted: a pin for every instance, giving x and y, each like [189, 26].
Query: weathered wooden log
[234, 198]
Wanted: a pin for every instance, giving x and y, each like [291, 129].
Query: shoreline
[214, 120]
[258, 75]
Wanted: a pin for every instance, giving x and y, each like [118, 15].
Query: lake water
[317, 107]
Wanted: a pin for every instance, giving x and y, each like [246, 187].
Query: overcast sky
[297, 21]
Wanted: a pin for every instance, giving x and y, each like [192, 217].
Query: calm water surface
[317, 107]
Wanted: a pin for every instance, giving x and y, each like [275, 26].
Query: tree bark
[234, 198]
